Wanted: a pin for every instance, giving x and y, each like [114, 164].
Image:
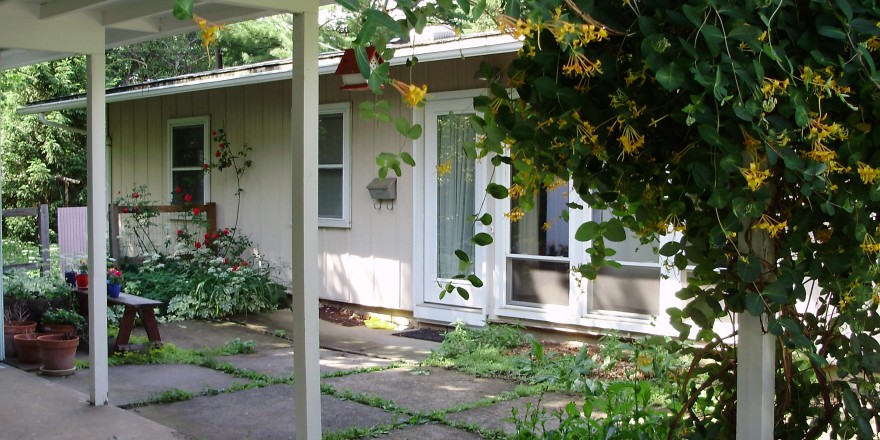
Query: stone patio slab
[424, 390]
[279, 361]
[258, 413]
[202, 334]
[492, 417]
[136, 383]
[429, 432]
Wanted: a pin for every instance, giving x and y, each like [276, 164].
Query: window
[333, 165]
[189, 140]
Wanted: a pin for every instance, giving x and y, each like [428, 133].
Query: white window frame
[343, 108]
[205, 121]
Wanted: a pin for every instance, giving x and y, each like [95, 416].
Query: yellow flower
[868, 174]
[515, 214]
[444, 168]
[413, 95]
[754, 176]
[546, 226]
[869, 246]
[770, 225]
[630, 140]
[515, 191]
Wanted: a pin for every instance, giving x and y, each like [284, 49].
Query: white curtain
[455, 192]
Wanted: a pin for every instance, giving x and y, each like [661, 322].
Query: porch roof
[439, 50]
[41, 30]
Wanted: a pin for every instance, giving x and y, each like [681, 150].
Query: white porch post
[97, 230]
[304, 127]
[755, 377]
[2, 291]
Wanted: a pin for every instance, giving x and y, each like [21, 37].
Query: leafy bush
[22, 284]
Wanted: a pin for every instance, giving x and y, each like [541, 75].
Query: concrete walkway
[372, 388]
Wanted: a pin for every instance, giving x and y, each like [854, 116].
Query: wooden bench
[134, 306]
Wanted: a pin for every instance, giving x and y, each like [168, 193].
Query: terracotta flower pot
[28, 347]
[58, 353]
[64, 329]
[13, 328]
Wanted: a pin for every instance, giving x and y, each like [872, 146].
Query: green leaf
[754, 304]
[482, 239]
[669, 249]
[475, 281]
[587, 231]
[401, 124]
[351, 5]
[831, 32]
[795, 332]
[407, 159]
[486, 219]
[845, 8]
[463, 293]
[465, 6]
[414, 132]
[497, 191]
[670, 76]
[462, 255]
[382, 19]
[748, 270]
[694, 14]
[183, 9]
[614, 230]
[714, 38]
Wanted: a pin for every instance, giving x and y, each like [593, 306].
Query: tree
[743, 128]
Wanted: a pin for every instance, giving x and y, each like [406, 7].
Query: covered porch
[35, 31]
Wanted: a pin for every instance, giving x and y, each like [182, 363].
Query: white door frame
[451, 308]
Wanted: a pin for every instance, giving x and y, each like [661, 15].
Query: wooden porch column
[304, 198]
[755, 378]
[97, 230]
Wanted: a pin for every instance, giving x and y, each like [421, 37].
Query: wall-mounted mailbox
[383, 189]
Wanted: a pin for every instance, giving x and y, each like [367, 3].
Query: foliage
[743, 130]
[627, 415]
[64, 316]
[22, 284]
[484, 351]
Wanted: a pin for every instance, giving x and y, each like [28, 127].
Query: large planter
[62, 329]
[58, 353]
[13, 328]
[28, 348]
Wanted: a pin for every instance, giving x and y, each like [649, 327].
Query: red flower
[197, 211]
[198, 245]
[226, 261]
[226, 232]
[222, 145]
[135, 195]
[214, 133]
[205, 166]
[218, 153]
[179, 232]
[125, 210]
[188, 198]
[207, 237]
[177, 189]
[234, 268]
[137, 208]
[214, 236]
[244, 264]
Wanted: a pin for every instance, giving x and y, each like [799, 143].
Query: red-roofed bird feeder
[352, 79]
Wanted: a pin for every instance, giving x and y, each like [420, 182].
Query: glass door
[454, 183]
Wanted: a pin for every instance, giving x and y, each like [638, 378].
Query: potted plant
[15, 322]
[64, 321]
[114, 282]
[58, 352]
[82, 279]
[28, 348]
